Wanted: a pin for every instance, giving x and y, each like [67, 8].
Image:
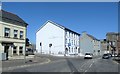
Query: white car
[88, 56]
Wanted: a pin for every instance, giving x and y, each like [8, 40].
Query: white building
[55, 39]
[88, 43]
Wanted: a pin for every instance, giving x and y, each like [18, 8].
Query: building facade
[118, 45]
[112, 42]
[55, 39]
[89, 44]
[103, 44]
[12, 34]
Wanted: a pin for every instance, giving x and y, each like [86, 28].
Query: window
[72, 42]
[72, 49]
[15, 33]
[69, 40]
[69, 34]
[20, 50]
[21, 34]
[7, 32]
[66, 33]
[66, 40]
[15, 50]
[69, 49]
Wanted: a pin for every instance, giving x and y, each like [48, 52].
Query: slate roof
[93, 37]
[58, 25]
[12, 18]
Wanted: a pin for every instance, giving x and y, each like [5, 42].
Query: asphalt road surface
[72, 65]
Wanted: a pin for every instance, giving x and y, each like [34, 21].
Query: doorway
[66, 50]
[6, 48]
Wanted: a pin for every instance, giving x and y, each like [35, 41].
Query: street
[58, 64]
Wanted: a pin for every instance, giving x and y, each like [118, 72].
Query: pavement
[21, 63]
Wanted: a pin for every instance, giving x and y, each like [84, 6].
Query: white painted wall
[50, 33]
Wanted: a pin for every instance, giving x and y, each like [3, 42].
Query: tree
[27, 42]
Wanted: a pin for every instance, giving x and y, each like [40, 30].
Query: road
[72, 65]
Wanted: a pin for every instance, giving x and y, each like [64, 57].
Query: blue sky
[95, 18]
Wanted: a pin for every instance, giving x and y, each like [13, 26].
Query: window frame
[16, 34]
[5, 32]
[21, 35]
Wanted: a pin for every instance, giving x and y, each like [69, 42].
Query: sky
[96, 18]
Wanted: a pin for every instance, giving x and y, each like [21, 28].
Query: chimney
[84, 32]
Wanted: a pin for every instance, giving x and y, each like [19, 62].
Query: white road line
[85, 63]
[85, 70]
[90, 65]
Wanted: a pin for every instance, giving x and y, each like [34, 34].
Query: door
[66, 50]
[6, 48]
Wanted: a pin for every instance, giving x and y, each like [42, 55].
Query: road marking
[92, 61]
[115, 62]
[85, 70]
[84, 64]
[90, 65]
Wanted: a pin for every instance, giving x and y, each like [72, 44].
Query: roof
[12, 18]
[112, 33]
[93, 37]
[58, 25]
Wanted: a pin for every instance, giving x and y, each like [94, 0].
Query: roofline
[56, 24]
[72, 31]
[93, 38]
[26, 24]
[46, 23]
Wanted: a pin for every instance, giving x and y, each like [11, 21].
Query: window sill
[15, 38]
[6, 37]
[22, 39]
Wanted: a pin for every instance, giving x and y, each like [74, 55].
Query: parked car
[110, 55]
[88, 56]
[114, 55]
[105, 56]
[29, 51]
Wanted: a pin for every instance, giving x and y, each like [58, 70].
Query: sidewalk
[21, 63]
[117, 60]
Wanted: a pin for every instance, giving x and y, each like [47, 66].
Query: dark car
[106, 56]
[29, 51]
[110, 55]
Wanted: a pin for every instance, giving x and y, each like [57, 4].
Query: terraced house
[89, 43]
[12, 34]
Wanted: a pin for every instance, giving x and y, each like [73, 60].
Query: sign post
[41, 47]
[50, 48]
